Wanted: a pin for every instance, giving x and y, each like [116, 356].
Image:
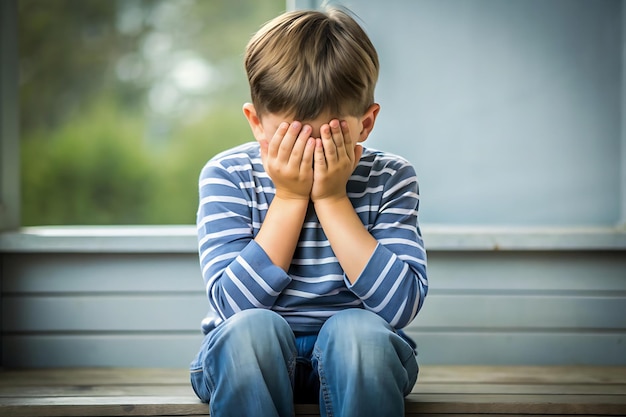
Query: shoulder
[246, 157]
[239, 154]
[384, 164]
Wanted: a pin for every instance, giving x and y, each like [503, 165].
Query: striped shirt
[235, 193]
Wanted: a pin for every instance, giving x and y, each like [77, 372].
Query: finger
[285, 147]
[350, 146]
[307, 155]
[337, 134]
[330, 149]
[347, 137]
[320, 158]
[274, 143]
[301, 141]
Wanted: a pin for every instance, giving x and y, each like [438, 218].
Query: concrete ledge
[182, 239]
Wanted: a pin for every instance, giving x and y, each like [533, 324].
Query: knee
[255, 324]
[360, 339]
[254, 333]
[357, 325]
[358, 336]
[252, 348]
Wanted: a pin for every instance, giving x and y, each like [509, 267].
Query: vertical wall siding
[483, 308]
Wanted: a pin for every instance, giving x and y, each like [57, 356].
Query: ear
[254, 121]
[368, 120]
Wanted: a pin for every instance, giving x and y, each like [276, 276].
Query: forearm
[244, 279]
[391, 287]
[352, 244]
[279, 233]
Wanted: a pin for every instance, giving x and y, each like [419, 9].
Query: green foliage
[100, 169]
[176, 199]
[90, 171]
[64, 45]
[109, 133]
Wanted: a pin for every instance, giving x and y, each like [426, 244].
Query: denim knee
[360, 339]
[249, 344]
[254, 334]
[256, 330]
[357, 326]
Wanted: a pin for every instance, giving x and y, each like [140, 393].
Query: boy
[309, 243]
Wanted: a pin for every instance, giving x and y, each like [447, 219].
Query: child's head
[309, 63]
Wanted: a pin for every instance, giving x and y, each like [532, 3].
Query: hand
[336, 157]
[288, 160]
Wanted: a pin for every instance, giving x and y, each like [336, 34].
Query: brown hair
[304, 63]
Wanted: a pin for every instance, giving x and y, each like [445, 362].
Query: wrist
[288, 196]
[331, 201]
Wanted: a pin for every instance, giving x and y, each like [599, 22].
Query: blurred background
[512, 112]
[123, 101]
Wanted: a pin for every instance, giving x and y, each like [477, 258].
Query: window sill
[182, 239]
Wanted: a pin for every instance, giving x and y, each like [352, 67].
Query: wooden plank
[410, 413]
[516, 404]
[442, 390]
[102, 406]
[439, 404]
[185, 389]
[96, 391]
[541, 375]
[547, 389]
[443, 375]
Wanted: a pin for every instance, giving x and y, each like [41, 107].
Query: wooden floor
[441, 391]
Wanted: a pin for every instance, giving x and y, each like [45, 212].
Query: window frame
[9, 117]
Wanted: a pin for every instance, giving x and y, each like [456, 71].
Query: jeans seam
[291, 366]
[323, 385]
[209, 379]
[409, 387]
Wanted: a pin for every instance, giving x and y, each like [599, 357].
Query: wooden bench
[440, 391]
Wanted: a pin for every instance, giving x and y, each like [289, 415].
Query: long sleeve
[235, 194]
[394, 282]
[237, 273]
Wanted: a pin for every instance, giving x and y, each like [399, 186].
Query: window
[122, 102]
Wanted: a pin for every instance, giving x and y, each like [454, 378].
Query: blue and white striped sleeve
[394, 283]
[237, 272]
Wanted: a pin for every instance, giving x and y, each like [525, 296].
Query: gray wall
[510, 110]
[485, 307]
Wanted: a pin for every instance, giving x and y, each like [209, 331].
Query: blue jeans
[254, 365]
